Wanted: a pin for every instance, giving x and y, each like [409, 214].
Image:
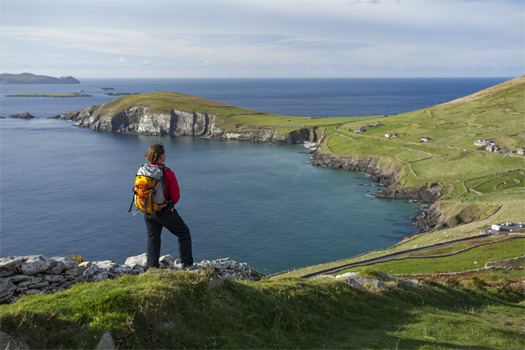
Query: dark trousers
[174, 223]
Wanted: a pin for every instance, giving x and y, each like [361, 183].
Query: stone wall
[23, 275]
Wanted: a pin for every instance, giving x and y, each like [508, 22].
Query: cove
[67, 191]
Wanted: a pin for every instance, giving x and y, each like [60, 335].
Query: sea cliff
[139, 120]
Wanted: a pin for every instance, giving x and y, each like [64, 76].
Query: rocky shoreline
[138, 120]
[426, 221]
[23, 275]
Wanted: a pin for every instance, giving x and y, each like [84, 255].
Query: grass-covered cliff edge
[480, 306]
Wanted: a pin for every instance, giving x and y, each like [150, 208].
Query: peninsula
[29, 78]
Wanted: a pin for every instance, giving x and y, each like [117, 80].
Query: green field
[178, 310]
[471, 259]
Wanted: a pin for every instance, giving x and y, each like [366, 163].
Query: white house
[481, 143]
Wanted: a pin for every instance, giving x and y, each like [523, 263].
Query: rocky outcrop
[423, 194]
[23, 275]
[362, 165]
[22, 116]
[429, 220]
[138, 120]
[383, 283]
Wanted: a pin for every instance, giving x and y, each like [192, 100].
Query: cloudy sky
[263, 38]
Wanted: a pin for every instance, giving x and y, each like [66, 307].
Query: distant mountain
[29, 78]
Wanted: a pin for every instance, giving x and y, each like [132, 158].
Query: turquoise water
[66, 190]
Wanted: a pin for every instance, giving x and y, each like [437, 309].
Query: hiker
[164, 214]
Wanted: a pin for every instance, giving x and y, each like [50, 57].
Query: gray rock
[7, 289]
[38, 284]
[11, 263]
[7, 273]
[386, 276]
[346, 275]
[9, 342]
[352, 282]
[410, 283]
[76, 271]
[19, 278]
[381, 285]
[106, 343]
[324, 276]
[167, 261]
[57, 268]
[35, 264]
[68, 263]
[29, 281]
[137, 260]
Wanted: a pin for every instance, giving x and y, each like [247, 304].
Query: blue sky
[263, 38]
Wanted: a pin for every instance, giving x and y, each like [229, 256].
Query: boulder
[137, 260]
[57, 267]
[381, 285]
[353, 283]
[10, 263]
[35, 264]
[409, 283]
[167, 260]
[68, 263]
[346, 275]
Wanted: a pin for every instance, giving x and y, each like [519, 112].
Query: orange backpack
[148, 192]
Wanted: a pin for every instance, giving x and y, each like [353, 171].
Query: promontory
[29, 78]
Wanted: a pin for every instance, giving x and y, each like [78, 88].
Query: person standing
[167, 216]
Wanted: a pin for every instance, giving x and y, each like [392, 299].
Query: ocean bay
[258, 203]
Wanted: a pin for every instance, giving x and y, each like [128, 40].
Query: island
[29, 78]
[67, 94]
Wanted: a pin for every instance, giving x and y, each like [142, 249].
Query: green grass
[230, 118]
[471, 259]
[166, 309]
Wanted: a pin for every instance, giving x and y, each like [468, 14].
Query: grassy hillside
[230, 118]
[175, 310]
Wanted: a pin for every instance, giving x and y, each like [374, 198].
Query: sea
[66, 190]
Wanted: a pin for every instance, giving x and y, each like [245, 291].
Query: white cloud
[330, 37]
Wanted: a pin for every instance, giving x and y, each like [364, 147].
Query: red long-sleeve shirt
[171, 186]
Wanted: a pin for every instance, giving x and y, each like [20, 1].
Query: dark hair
[154, 152]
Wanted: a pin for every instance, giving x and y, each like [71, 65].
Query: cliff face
[138, 120]
[365, 165]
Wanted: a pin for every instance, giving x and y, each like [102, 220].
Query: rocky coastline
[138, 120]
[428, 220]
